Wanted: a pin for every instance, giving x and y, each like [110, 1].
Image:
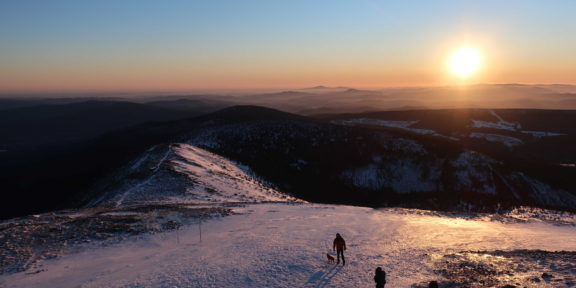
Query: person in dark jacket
[339, 246]
[380, 278]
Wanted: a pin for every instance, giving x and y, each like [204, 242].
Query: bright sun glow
[465, 62]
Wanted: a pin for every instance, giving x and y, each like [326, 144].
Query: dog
[330, 258]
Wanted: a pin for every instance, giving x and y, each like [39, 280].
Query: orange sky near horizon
[183, 45]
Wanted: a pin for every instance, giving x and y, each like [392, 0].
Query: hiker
[339, 246]
[380, 277]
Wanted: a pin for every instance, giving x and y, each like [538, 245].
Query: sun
[465, 62]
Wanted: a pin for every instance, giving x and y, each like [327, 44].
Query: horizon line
[244, 89]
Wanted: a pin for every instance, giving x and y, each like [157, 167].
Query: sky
[139, 45]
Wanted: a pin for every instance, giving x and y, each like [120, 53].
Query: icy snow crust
[283, 245]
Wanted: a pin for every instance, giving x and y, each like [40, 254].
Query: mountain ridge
[316, 160]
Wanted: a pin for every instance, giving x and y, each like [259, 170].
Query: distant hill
[451, 159]
[323, 100]
[49, 152]
[57, 124]
[190, 106]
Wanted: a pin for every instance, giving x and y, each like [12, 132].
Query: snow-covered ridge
[182, 173]
[501, 124]
[507, 141]
[403, 125]
[514, 128]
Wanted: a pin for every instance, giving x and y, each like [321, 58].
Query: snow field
[284, 245]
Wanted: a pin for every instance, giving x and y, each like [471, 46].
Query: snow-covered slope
[278, 245]
[181, 173]
[473, 172]
[505, 140]
[326, 162]
[402, 125]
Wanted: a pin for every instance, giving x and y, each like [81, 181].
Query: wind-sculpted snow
[279, 245]
[181, 173]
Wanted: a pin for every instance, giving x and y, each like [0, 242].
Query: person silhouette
[380, 277]
[339, 246]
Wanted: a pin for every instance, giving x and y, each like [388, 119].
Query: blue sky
[103, 45]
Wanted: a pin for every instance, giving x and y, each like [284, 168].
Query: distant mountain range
[323, 99]
[72, 154]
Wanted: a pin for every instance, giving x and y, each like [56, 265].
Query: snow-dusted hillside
[181, 173]
[402, 125]
[279, 245]
[473, 173]
[496, 125]
[503, 156]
